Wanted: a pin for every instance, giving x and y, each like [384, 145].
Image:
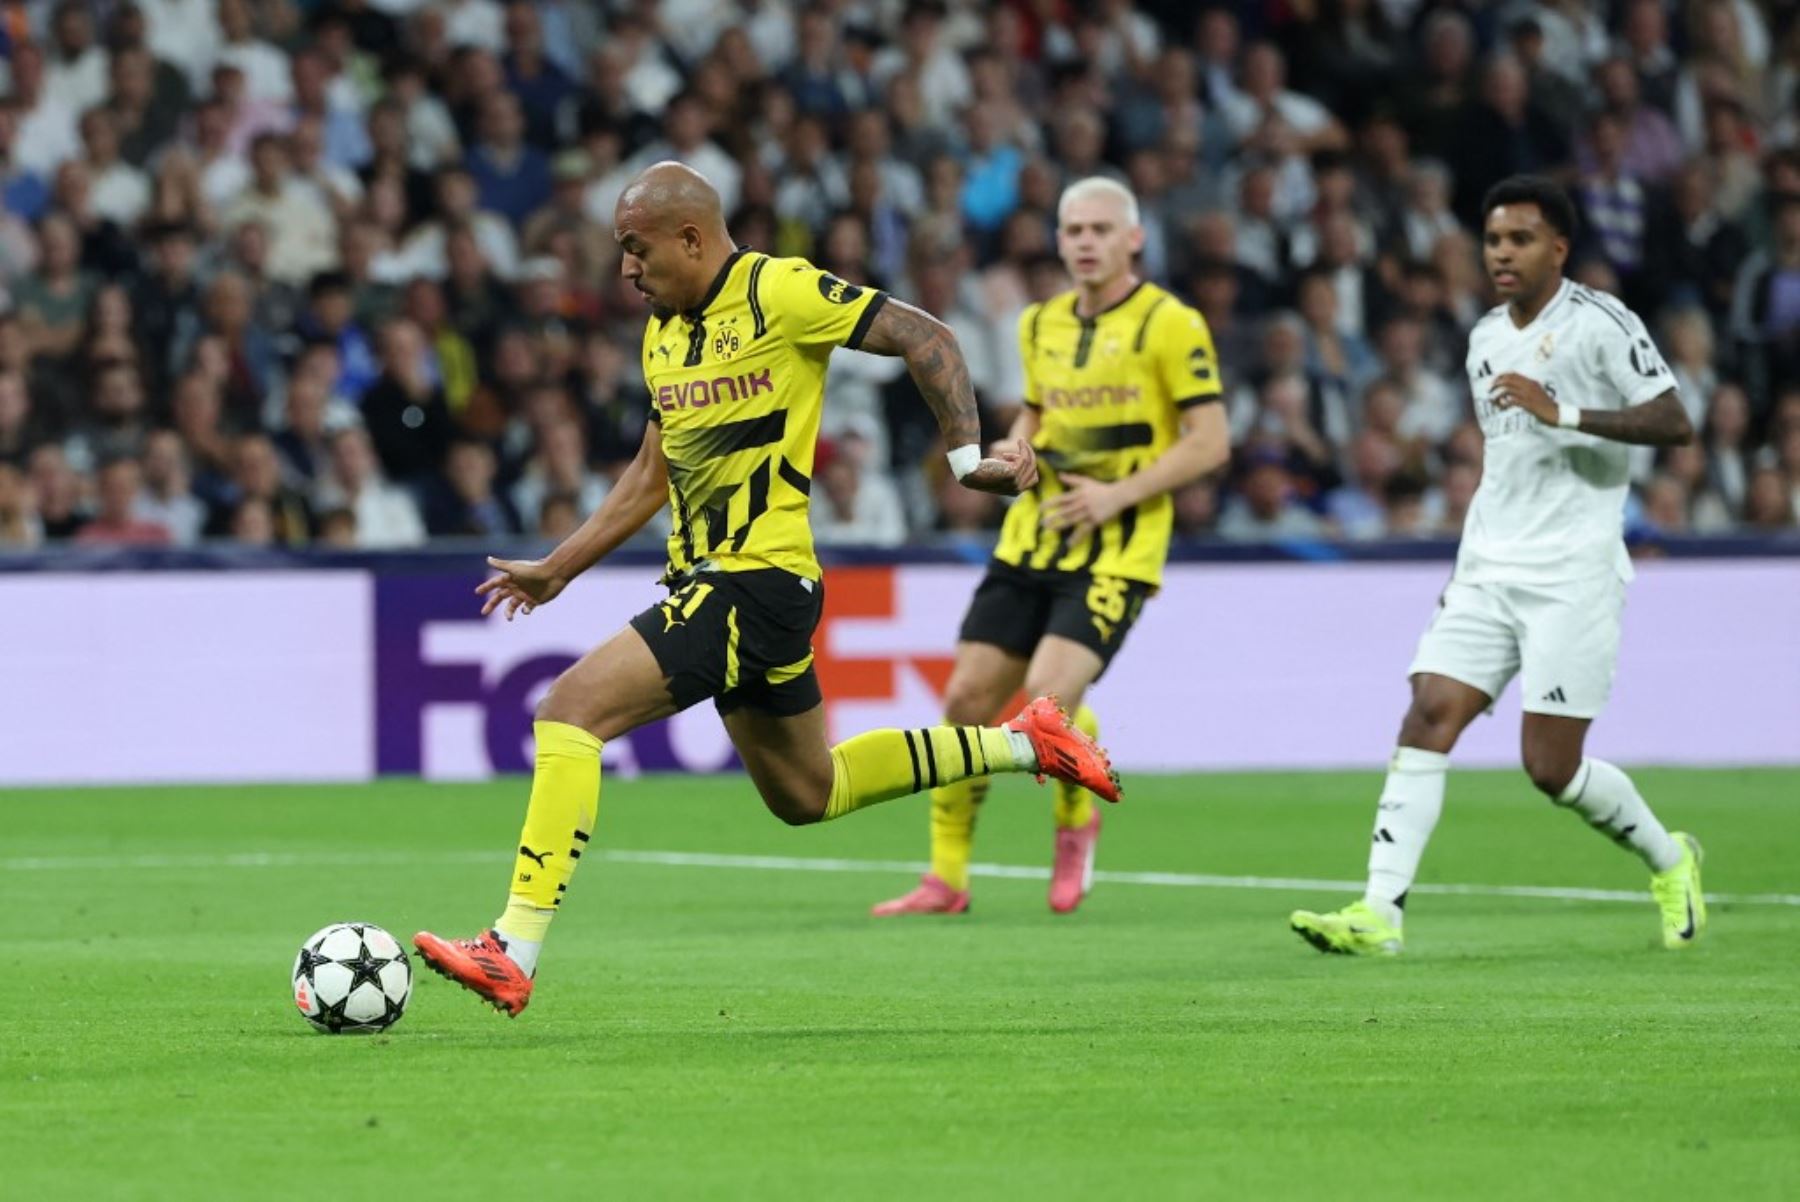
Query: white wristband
[964, 460]
[1568, 417]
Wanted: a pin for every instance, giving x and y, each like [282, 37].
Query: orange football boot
[1064, 751]
[479, 965]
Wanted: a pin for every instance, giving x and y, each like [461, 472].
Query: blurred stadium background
[238, 232]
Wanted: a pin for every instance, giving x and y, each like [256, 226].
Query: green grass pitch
[730, 1032]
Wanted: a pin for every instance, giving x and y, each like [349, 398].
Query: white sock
[1024, 754]
[523, 952]
[1603, 795]
[1411, 801]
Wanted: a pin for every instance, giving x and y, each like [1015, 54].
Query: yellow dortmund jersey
[1109, 391]
[738, 384]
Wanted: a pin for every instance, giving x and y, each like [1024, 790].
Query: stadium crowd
[342, 272]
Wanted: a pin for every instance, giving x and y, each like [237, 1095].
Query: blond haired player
[1121, 392]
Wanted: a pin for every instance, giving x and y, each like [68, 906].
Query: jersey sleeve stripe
[854, 342]
[1204, 398]
[1143, 334]
[731, 437]
[756, 309]
[798, 480]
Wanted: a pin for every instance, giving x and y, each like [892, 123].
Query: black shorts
[1015, 607]
[741, 638]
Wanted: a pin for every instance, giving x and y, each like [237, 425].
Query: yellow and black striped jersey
[738, 384]
[1109, 390]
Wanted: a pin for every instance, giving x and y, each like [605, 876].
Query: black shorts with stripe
[1015, 607]
[740, 638]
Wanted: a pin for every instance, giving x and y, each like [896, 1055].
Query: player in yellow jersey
[1121, 392]
[734, 356]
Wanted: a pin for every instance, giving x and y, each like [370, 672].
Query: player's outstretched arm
[942, 376]
[1659, 422]
[642, 490]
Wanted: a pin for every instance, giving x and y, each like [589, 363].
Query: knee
[1550, 771]
[970, 703]
[1430, 725]
[555, 706]
[797, 810]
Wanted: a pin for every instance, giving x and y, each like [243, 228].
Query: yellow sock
[881, 765]
[953, 810]
[1074, 806]
[559, 821]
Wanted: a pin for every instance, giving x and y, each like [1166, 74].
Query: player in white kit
[1563, 378]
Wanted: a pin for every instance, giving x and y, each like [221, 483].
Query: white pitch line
[699, 859]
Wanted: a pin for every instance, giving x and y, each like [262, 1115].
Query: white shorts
[1561, 640]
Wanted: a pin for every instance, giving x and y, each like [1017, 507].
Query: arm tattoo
[1658, 423]
[936, 364]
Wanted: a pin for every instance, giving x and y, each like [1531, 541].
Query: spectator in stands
[256, 480]
[1768, 502]
[1652, 148]
[20, 528]
[168, 499]
[21, 428]
[512, 177]
[1358, 507]
[114, 523]
[558, 468]
[1432, 406]
[861, 503]
[1725, 434]
[116, 423]
[1264, 508]
[1666, 504]
[383, 514]
[302, 233]
[53, 301]
[404, 410]
[464, 501]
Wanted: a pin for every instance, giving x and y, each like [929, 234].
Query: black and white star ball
[352, 978]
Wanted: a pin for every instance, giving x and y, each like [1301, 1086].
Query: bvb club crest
[725, 343]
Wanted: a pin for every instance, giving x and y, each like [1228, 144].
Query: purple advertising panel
[179, 677]
[226, 676]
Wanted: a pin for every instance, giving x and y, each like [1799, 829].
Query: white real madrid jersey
[1551, 502]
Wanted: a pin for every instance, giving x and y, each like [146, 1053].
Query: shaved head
[672, 229]
[672, 194]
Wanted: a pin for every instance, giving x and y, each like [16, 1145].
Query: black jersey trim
[718, 285]
[854, 342]
[731, 437]
[1143, 334]
[1205, 398]
[798, 480]
[1075, 303]
[756, 309]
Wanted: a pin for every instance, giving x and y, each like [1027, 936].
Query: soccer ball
[352, 977]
